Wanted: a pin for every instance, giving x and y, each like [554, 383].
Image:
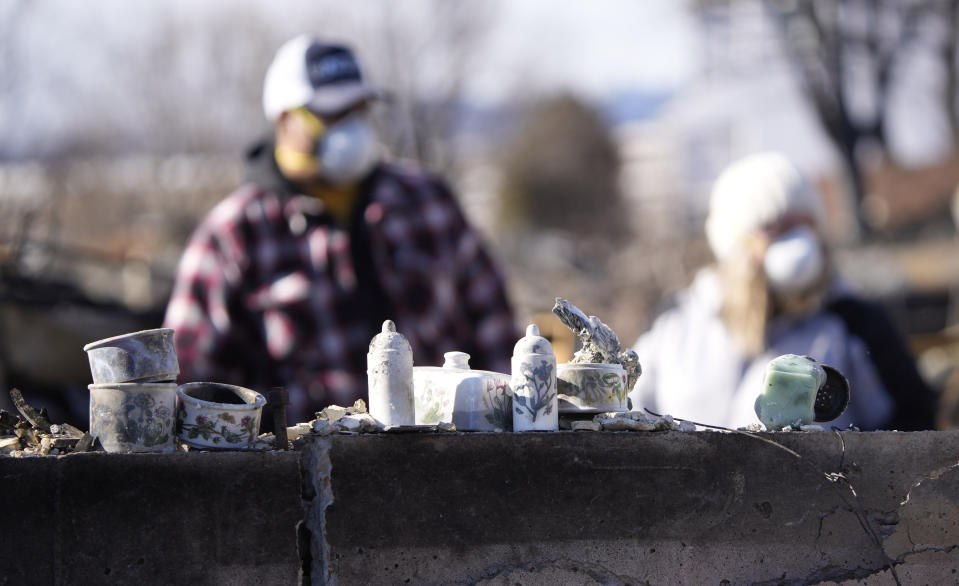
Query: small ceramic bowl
[591, 387]
[218, 416]
[146, 356]
[133, 417]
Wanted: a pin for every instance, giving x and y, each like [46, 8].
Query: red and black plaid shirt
[272, 291]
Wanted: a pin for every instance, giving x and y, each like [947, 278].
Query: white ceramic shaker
[533, 380]
[389, 371]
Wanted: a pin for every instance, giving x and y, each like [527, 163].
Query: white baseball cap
[324, 77]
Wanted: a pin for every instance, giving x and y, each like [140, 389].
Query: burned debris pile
[31, 434]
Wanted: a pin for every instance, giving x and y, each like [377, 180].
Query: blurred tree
[183, 77]
[561, 173]
[423, 56]
[180, 78]
[12, 15]
[561, 221]
[855, 57]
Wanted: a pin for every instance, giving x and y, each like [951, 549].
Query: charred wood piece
[37, 419]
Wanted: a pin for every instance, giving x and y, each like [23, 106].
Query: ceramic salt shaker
[389, 365]
[533, 380]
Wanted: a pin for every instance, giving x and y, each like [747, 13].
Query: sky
[596, 48]
[69, 61]
[93, 60]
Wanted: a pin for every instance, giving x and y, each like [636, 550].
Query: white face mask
[794, 261]
[348, 151]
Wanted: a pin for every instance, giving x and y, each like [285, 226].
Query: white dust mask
[794, 261]
[348, 150]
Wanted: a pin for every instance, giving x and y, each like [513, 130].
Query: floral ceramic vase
[533, 382]
[133, 417]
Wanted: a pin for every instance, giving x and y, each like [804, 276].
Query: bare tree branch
[824, 37]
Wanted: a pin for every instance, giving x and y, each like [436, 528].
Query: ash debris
[356, 419]
[625, 421]
[31, 434]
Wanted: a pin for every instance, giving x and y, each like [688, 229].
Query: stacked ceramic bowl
[133, 395]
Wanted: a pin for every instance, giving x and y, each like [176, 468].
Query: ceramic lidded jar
[472, 400]
[481, 398]
[432, 395]
[533, 381]
[389, 371]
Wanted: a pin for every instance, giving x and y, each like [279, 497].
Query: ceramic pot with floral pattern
[133, 417]
[218, 416]
[591, 388]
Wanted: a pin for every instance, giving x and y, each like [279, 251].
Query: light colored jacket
[693, 368]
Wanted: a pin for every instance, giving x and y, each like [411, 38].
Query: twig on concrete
[739, 431]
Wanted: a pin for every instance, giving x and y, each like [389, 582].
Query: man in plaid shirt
[285, 281]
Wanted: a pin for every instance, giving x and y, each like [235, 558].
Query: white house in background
[746, 99]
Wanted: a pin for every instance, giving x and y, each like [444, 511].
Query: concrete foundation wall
[97, 518]
[541, 508]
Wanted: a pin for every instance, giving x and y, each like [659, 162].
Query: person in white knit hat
[773, 291]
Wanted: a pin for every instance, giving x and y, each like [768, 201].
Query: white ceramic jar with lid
[389, 372]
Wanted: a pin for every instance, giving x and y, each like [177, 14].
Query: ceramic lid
[532, 343]
[154, 333]
[460, 360]
[833, 395]
[389, 339]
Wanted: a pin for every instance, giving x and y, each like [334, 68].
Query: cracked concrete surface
[643, 508]
[555, 571]
[925, 543]
[663, 508]
[317, 495]
[99, 518]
